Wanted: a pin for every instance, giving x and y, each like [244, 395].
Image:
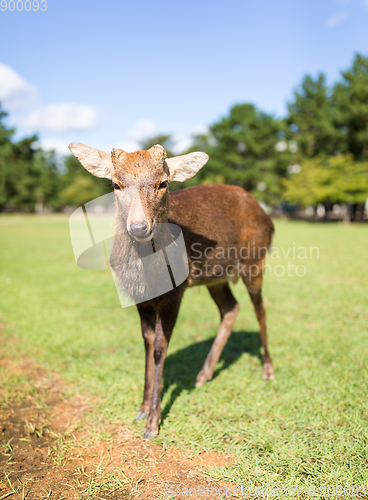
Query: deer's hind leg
[254, 287]
[229, 309]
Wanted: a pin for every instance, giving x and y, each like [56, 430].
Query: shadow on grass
[181, 368]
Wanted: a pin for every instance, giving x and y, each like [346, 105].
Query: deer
[224, 228]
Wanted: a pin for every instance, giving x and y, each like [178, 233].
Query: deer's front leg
[166, 320]
[148, 324]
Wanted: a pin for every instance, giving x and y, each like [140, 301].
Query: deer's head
[140, 181]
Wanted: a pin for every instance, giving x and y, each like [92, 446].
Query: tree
[334, 179]
[312, 118]
[248, 148]
[28, 175]
[351, 102]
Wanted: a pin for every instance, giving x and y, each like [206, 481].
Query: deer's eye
[163, 185]
[116, 186]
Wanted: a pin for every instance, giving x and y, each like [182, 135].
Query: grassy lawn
[307, 427]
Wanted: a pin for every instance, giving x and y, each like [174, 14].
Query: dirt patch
[49, 450]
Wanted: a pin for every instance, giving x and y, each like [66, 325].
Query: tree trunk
[345, 214]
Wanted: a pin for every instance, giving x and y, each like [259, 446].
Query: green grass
[308, 427]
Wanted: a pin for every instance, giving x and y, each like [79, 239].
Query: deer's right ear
[97, 162]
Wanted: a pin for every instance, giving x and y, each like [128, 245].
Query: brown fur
[138, 163]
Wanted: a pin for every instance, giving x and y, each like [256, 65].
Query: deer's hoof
[141, 415]
[202, 378]
[152, 426]
[149, 434]
[200, 383]
[268, 372]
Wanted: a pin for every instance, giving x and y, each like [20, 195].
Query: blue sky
[110, 73]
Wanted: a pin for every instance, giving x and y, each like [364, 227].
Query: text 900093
[19, 5]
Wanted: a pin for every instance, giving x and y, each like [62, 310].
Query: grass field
[309, 427]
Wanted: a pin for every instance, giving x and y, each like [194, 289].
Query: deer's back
[222, 226]
[225, 214]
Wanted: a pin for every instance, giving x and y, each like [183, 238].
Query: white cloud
[63, 117]
[15, 92]
[336, 19]
[128, 146]
[17, 95]
[198, 129]
[143, 129]
[184, 140]
[181, 145]
[59, 146]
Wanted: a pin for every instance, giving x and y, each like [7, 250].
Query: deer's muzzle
[140, 230]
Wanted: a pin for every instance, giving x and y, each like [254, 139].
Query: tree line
[317, 154]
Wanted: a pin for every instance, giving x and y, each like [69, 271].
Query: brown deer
[226, 235]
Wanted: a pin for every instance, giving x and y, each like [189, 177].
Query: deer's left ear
[185, 167]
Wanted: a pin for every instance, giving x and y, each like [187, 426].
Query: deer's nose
[138, 229]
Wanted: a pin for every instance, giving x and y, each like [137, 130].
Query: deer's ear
[97, 162]
[185, 167]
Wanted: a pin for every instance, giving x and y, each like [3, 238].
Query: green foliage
[30, 179]
[312, 119]
[28, 176]
[351, 101]
[334, 123]
[80, 191]
[77, 186]
[252, 149]
[247, 148]
[336, 179]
